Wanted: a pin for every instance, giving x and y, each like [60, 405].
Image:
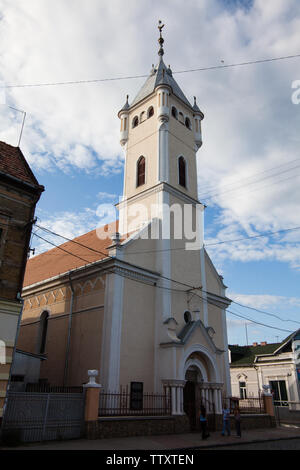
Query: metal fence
[31, 417]
[46, 388]
[249, 405]
[122, 404]
[287, 412]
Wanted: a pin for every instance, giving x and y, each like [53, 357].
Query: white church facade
[139, 300]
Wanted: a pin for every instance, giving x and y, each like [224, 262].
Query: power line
[262, 187]
[264, 312]
[130, 77]
[258, 323]
[163, 287]
[202, 196]
[266, 234]
[206, 189]
[163, 277]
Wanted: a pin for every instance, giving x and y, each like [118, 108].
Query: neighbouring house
[276, 365]
[19, 194]
[135, 300]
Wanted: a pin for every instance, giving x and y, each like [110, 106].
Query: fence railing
[31, 417]
[249, 405]
[123, 403]
[46, 388]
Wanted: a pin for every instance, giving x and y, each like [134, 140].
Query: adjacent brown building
[19, 193]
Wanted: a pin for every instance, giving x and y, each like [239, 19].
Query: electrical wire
[176, 290]
[163, 287]
[258, 323]
[166, 278]
[248, 184]
[264, 312]
[130, 77]
[209, 188]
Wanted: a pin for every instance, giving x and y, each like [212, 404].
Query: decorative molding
[162, 186]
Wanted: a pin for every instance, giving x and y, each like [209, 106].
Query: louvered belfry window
[141, 167]
[182, 172]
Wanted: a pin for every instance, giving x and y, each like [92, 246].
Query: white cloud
[264, 301]
[105, 196]
[69, 224]
[250, 121]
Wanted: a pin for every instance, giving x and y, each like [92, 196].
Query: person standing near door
[203, 422]
[226, 420]
[237, 420]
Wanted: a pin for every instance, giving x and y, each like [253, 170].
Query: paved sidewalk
[167, 442]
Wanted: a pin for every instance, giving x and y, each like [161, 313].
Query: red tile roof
[13, 163]
[56, 261]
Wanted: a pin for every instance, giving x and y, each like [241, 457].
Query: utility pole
[246, 334]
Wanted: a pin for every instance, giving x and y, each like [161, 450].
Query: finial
[161, 39]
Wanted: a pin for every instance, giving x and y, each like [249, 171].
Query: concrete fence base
[110, 427]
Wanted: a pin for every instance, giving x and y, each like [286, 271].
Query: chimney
[263, 343]
[255, 344]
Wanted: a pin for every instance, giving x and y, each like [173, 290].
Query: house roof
[245, 355]
[160, 75]
[68, 256]
[14, 164]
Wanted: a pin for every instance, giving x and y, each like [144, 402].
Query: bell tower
[160, 133]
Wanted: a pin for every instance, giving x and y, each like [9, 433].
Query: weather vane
[161, 39]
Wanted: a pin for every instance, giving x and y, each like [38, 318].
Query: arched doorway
[191, 399]
[200, 373]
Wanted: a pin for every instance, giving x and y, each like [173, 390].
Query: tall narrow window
[135, 122]
[182, 171]
[243, 390]
[150, 112]
[141, 167]
[188, 123]
[42, 334]
[279, 392]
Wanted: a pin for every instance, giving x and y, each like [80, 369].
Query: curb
[233, 444]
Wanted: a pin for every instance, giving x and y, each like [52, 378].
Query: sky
[248, 165]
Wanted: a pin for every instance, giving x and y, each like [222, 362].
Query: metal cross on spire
[161, 39]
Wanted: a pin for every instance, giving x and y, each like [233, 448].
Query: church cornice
[105, 266]
[162, 186]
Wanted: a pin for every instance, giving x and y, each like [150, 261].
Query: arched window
[142, 116]
[174, 112]
[182, 172]
[187, 123]
[187, 317]
[42, 333]
[135, 121]
[150, 112]
[140, 171]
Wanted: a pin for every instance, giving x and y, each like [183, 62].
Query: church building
[139, 299]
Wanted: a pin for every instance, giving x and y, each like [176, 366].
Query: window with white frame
[243, 390]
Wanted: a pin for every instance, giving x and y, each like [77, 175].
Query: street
[284, 444]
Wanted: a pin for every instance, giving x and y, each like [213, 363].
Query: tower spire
[161, 39]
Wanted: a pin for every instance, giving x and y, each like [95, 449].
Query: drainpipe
[69, 331]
